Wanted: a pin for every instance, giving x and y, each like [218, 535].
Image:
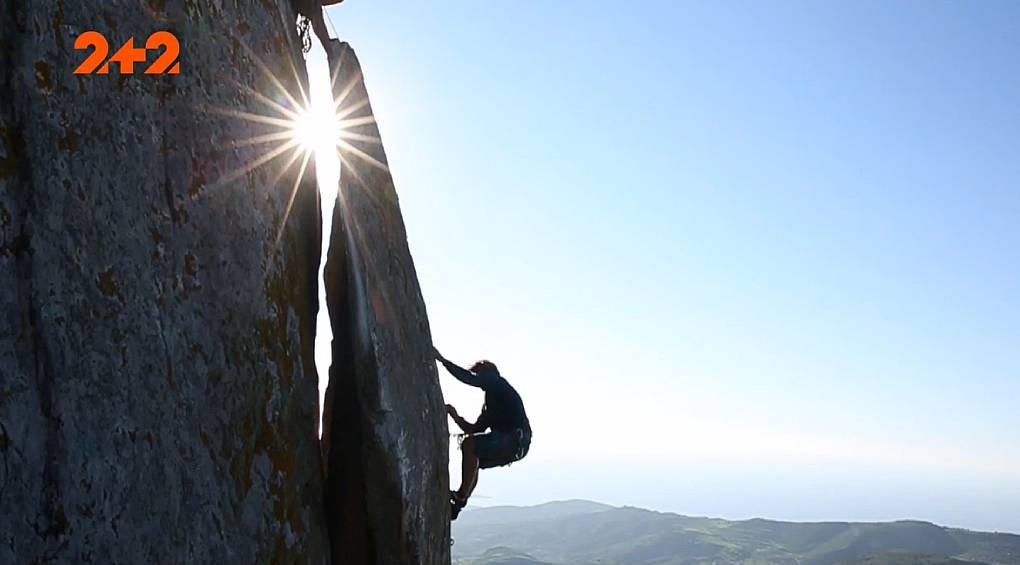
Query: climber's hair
[484, 366]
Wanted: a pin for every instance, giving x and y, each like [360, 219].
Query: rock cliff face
[385, 440]
[158, 394]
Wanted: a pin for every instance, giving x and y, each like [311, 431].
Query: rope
[329, 21]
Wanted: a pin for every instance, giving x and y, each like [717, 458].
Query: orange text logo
[128, 55]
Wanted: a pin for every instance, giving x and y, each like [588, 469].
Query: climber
[503, 412]
[312, 9]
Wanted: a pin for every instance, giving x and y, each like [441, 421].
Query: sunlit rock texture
[157, 387]
[385, 440]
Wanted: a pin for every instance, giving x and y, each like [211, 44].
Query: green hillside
[581, 532]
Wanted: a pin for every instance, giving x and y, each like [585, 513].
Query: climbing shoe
[456, 505]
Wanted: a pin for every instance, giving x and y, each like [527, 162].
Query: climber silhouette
[312, 9]
[503, 413]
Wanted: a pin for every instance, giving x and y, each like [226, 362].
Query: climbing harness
[523, 445]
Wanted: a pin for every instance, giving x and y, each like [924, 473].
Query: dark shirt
[504, 409]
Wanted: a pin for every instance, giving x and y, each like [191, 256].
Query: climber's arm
[459, 373]
[464, 425]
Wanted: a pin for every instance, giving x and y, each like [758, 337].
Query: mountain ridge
[583, 532]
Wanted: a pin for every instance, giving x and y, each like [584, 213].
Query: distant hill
[897, 558]
[547, 511]
[503, 556]
[588, 533]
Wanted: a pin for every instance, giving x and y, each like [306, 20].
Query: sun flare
[315, 129]
[301, 127]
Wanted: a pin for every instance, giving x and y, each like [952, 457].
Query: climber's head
[484, 367]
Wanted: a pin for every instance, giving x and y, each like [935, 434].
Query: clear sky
[740, 259]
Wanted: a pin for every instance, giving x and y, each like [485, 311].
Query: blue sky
[740, 259]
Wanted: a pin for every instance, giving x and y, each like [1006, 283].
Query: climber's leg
[319, 26]
[468, 469]
[474, 483]
[468, 477]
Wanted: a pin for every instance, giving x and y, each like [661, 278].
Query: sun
[315, 128]
[296, 127]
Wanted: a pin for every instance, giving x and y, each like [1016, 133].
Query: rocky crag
[395, 505]
[158, 283]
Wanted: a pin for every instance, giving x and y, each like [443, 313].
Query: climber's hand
[451, 411]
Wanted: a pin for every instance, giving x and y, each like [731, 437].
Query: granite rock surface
[158, 394]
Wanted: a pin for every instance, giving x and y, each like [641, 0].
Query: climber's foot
[456, 505]
[454, 510]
